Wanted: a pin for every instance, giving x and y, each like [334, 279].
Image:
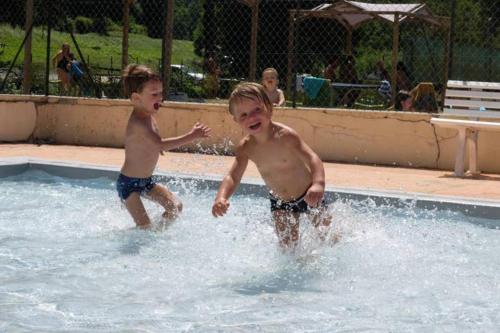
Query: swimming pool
[71, 261]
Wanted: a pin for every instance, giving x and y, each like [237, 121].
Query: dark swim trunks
[126, 185]
[295, 206]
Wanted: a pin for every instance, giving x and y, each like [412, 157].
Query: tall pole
[348, 47]
[451, 37]
[253, 41]
[27, 80]
[126, 26]
[48, 7]
[446, 75]
[291, 50]
[167, 46]
[395, 54]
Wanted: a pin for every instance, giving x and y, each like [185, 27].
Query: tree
[186, 16]
[206, 29]
[153, 16]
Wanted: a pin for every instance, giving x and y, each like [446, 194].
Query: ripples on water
[70, 260]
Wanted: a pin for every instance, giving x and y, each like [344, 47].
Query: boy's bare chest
[142, 132]
[273, 157]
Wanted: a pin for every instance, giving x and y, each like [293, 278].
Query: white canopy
[354, 13]
[351, 14]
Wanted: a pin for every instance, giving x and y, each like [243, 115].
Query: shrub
[112, 25]
[138, 29]
[83, 24]
[185, 84]
[63, 24]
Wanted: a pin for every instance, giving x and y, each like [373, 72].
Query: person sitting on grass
[290, 168]
[143, 146]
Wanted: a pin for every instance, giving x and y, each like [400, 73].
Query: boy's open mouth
[254, 126]
[156, 106]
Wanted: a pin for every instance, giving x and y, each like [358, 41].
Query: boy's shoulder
[137, 122]
[286, 134]
[283, 130]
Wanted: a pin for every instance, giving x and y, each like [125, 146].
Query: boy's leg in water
[136, 208]
[287, 228]
[321, 219]
[169, 201]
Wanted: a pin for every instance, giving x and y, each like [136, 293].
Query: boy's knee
[281, 227]
[178, 206]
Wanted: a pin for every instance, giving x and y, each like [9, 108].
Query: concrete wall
[371, 137]
[17, 120]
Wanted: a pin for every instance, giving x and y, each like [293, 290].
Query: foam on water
[70, 260]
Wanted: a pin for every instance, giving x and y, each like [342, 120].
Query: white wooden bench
[478, 106]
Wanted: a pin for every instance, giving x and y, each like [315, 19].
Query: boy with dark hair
[143, 146]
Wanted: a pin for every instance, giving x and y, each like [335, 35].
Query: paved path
[346, 176]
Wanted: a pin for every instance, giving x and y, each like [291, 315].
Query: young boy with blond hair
[289, 167]
[143, 146]
[270, 82]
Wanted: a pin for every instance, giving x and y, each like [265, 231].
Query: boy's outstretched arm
[229, 185]
[281, 97]
[199, 130]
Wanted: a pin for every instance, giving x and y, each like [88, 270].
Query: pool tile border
[487, 209]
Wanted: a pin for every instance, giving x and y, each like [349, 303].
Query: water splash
[71, 260]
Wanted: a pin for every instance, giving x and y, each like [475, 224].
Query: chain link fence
[329, 54]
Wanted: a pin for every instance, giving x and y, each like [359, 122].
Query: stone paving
[338, 175]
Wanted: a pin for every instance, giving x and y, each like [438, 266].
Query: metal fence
[203, 48]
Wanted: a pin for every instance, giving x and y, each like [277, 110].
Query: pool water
[71, 261]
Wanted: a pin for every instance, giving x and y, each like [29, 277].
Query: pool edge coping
[482, 208]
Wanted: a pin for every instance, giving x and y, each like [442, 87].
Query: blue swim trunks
[295, 206]
[126, 185]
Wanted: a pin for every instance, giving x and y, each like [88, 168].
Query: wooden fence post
[126, 27]
[27, 78]
[167, 46]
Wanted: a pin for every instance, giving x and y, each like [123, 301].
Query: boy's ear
[134, 97]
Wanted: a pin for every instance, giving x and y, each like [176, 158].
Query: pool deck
[338, 175]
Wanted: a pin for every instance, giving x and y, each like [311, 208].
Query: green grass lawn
[99, 50]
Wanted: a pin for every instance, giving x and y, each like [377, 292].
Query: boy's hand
[314, 195]
[200, 130]
[220, 207]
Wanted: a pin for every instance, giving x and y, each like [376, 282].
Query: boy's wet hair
[136, 76]
[249, 90]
